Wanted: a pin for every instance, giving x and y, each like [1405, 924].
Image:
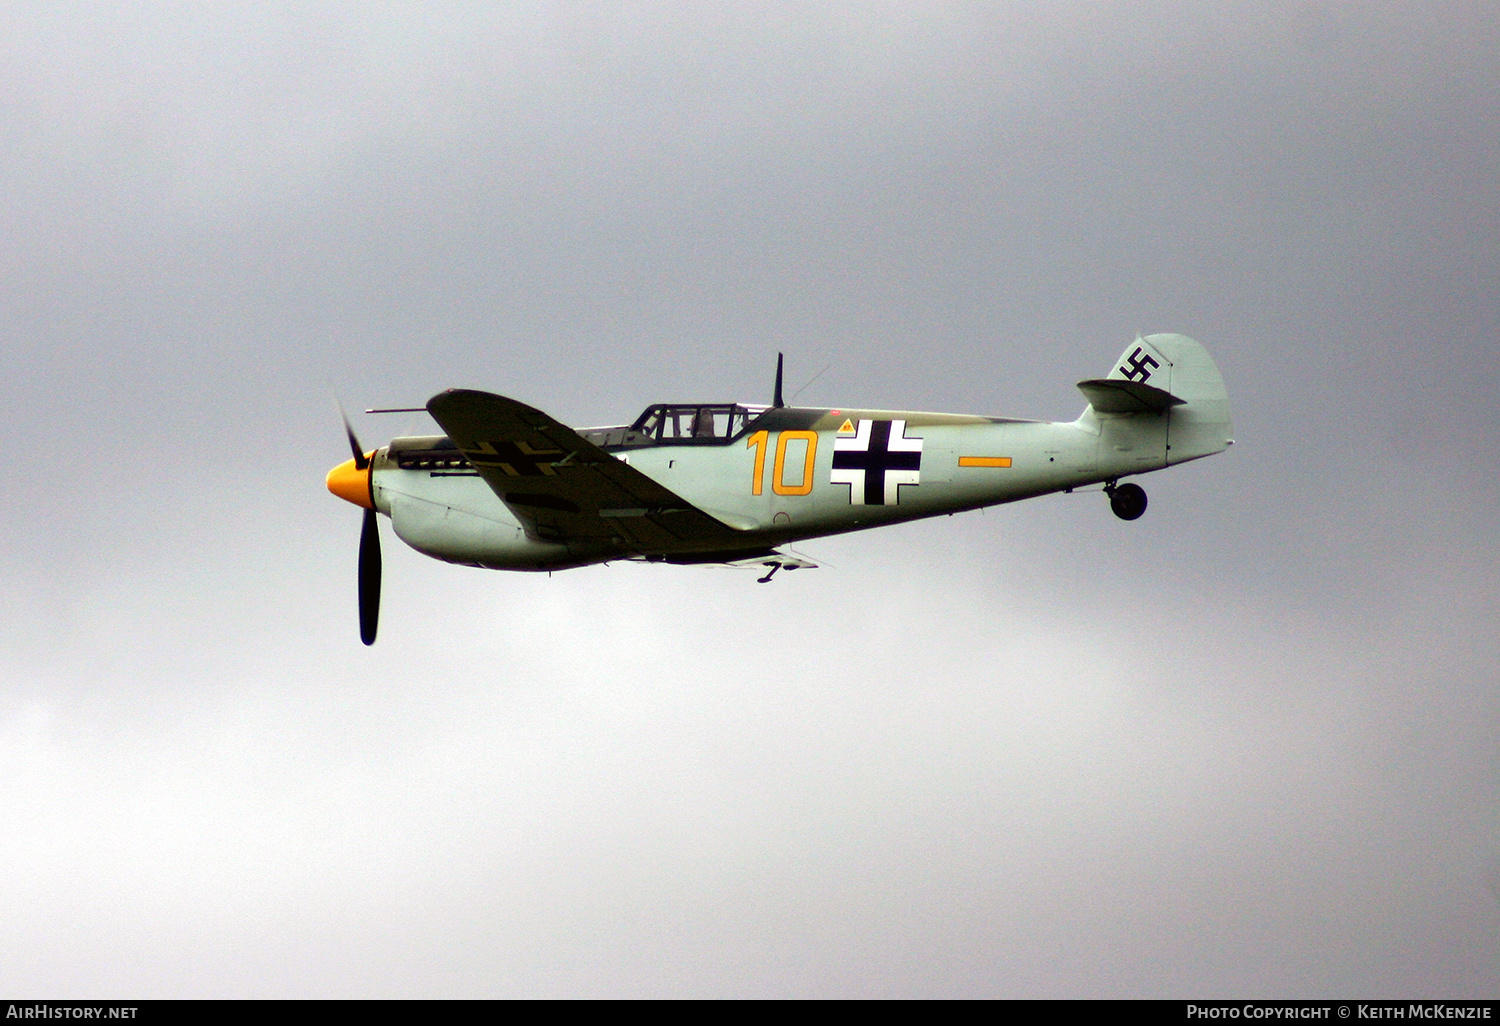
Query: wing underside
[564, 488]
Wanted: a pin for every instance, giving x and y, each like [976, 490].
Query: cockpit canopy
[672, 424]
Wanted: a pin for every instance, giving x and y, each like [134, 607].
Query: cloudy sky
[1245, 746]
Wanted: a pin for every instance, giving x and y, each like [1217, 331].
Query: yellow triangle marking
[846, 428]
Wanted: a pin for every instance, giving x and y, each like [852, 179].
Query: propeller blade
[369, 578]
[777, 400]
[360, 462]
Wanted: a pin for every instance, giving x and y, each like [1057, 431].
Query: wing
[564, 488]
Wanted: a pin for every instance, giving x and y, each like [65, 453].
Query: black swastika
[1140, 364]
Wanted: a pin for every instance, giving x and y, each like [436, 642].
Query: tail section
[1171, 378]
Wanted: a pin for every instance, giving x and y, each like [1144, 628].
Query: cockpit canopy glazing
[696, 423]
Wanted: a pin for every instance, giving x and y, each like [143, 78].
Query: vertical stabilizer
[1200, 425]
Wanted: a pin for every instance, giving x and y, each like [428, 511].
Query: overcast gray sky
[1245, 746]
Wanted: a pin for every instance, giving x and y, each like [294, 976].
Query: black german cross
[517, 460]
[1140, 364]
[875, 461]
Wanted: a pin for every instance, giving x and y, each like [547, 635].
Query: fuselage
[787, 475]
[767, 476]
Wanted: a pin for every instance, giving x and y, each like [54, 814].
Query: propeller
[361, 461]
[369, 578]
[369, 544]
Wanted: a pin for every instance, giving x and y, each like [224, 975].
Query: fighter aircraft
[509, 488]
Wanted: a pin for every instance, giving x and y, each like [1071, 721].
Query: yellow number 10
[760, 440]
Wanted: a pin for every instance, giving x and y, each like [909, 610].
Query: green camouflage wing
[563, 488]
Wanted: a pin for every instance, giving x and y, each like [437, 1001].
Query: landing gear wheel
[1128, 501]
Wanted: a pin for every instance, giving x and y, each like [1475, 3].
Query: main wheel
[1128, 501]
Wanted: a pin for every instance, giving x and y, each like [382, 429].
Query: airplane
[507, 487]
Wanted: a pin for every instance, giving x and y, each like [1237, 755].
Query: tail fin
[1172, 373]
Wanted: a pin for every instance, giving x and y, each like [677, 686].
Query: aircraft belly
[459, 520]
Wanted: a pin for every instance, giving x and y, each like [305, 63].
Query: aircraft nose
[352, 484]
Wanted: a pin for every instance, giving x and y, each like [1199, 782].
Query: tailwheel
[1127, 500]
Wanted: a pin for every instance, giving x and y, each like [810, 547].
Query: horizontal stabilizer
[1114, 395]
